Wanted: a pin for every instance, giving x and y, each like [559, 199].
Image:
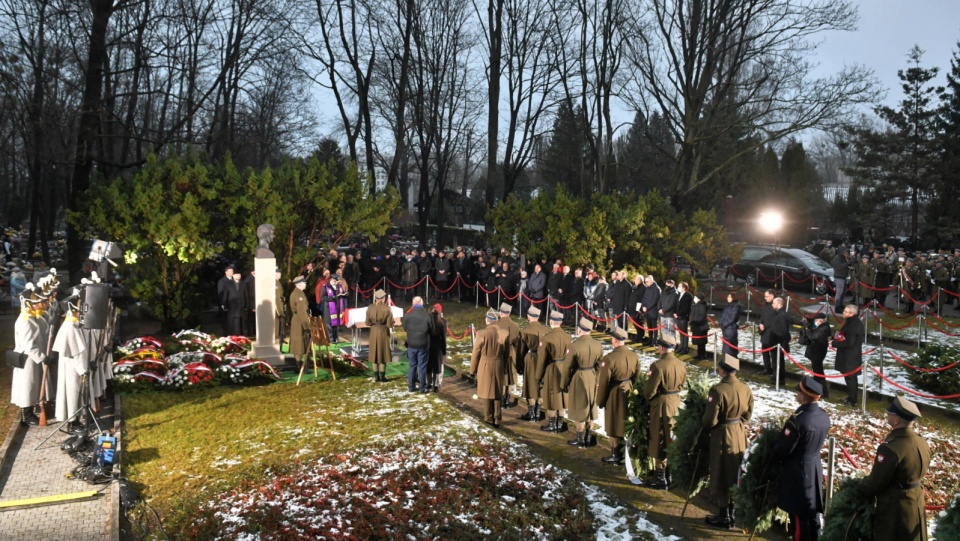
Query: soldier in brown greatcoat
[486, 364]
[729, 405]
[614, 385]
[902, 460]
[667, 377]
[513, 352]
[530, 337]
[578, 375]
[379, 319]
[553, 348]
[299, 320]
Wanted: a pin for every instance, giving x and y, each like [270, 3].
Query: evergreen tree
[565, 159]
[901, 162]
[943, 214]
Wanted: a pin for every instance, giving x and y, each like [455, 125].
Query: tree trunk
[495, 29]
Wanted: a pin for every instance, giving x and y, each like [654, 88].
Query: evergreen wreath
[755, 496]
[850, 516]
[637, 427]
[689, 455]
[948, 522]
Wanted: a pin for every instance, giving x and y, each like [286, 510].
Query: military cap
[701, 296]
[822, 314]
[505, 308]
[492, 316]
[667, 340]
[730, 363]
[533, 312]
[810, 387]
[556, 316]
[903, 408]
[379, 294]
[585, 324]
[299, 280]
[620, 333]
[335, 277]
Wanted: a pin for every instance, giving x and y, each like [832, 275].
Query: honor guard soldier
[578, 375]
[614, 385]
[30, 341]
[553, 348]
[667, 378]
[798, 449]
[299, 321]
[513, 352]
[530, 337]
[486, 364]
[380, 320]
[866, 279]
[902, 460]
[729, 406]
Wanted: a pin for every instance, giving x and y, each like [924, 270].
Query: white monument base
[266, 347]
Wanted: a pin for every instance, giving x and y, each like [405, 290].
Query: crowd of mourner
[559, 377]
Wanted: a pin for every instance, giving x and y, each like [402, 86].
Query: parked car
[763, 265]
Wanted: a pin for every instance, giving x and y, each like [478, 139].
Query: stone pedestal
[266, 347]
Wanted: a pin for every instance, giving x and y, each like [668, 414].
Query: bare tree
[720, 68]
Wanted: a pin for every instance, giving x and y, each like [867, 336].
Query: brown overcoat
[614, 385]
[729, 406]
[487, 360]
[513, 349]
[553, 348]
[668, 376]
[299, 323]
[902, 460]
[578, 374]
[530, 337]
[379, 319]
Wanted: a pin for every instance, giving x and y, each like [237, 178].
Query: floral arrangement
[756, 494]
[186, 357]
[637, 427]
[244, 370]
[230, 344]
[850, 517]
[193, 340]
[188, 375]
[139, 343]
[689, 455]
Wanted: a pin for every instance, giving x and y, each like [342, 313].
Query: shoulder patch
[604, 363]
[880, 458]
[710, 398]
[786, 432]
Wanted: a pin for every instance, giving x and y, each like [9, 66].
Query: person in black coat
[729, 326]
[618, 293]
[766, 338]
[634, 305]
[816, 336]
[438, 348]
[780, 332]
[682, 316]
[800, 492]
[232, 301]
[699, 327]
[848, 341]
[649, 306]
[249, 287]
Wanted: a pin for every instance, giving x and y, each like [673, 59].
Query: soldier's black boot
[578, 441]
[540, 414]
[721, 519]
[616, 456]
[551, 426]
[589, 439]
[730, 516]
[659, 480]
[27, 417]
[530, 415]
[561, 425]
[668, 476]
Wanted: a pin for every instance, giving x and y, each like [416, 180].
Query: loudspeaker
[94, 304]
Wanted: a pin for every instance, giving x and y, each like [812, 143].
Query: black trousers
[804, 528]
[853, 387]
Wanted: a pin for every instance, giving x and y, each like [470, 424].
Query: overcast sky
[887, 31]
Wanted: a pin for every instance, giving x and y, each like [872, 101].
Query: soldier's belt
[533, 351]
[585, 368]
[731, 421]
[619, 381]
[907, 486]
[664, 393]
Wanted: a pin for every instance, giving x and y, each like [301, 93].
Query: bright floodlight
[771, 222]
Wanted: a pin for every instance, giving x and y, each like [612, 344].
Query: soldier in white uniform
[30, 340]
[71, 344]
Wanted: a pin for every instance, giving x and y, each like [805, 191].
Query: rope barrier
[871, 288]
[461, 337]
[849, 457]
[944, 322]
[915, 301]
[920, 368]
[909, 323]
[560, 306]
[443, 291]
[818, 375]
[406, 287]
[934, 327]
[724, 340]
[911, 391]
[645, 329]
[597, 318]
[891, 314]
[525, 296]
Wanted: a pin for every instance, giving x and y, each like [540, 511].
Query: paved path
[30, 473]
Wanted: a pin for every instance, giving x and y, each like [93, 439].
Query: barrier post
[716, 350]
[830, 472]
[749, 306]
[863, 370]
[356, 297]
[711, 293]
[426, 290]
[459, 293]
[624, 318]
[520, 302]
[476, 291]
[498, 297]
[753, 342]
[776, 370]
[920, 325]
[473, 335]
[786, 309]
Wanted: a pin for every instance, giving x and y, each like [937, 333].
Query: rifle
[46, 370]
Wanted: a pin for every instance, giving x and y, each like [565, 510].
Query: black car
[769, 266]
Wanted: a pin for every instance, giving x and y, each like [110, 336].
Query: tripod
[85, 409]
